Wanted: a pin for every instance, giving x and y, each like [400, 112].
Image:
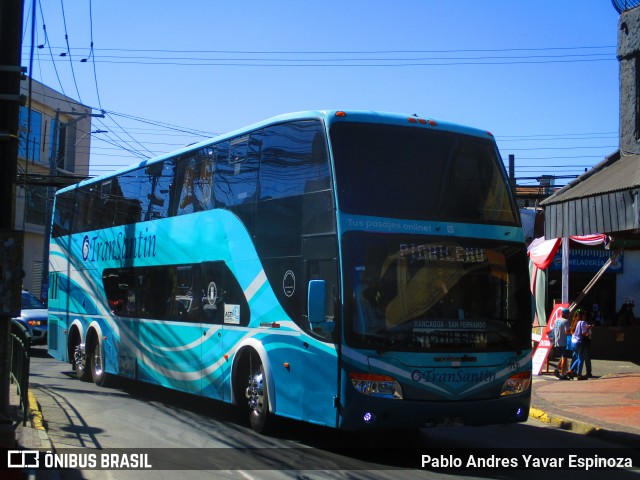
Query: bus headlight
[381, 386]
[516, 383]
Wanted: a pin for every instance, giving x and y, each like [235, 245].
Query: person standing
[580, 331]
[562, 347]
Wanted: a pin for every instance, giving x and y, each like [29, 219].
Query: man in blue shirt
[562, 348]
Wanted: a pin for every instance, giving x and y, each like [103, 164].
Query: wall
[628, 283]
[628, 54]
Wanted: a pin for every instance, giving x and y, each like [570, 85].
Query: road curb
[584, 428]
[35, 414]
[564, 423]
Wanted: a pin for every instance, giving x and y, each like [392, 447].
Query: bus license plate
[449, 422]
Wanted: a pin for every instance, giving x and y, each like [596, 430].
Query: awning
[602, 200]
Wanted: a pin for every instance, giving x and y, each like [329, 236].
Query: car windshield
[29, 302]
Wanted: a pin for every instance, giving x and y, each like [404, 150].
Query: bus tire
[257, 394]
[80, 363]
[100, 377]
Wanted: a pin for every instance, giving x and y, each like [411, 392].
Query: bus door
[57, 316]
[225, 314]
[320, 382]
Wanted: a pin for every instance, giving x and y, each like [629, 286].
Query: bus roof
[329, 116]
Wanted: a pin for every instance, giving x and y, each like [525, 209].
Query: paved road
[137, 416]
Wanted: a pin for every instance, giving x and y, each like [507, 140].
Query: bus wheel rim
[255, 392]
[97, 360]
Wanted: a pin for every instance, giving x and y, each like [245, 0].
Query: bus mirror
[317, 298]
[317, 304]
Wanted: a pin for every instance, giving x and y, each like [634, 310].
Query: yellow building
[53, 152]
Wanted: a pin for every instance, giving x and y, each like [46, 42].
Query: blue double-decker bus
[349, 269]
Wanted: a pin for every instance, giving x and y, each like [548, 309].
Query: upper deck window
[404, 172]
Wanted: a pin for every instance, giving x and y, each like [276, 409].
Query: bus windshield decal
[350, 223]
[449, 324]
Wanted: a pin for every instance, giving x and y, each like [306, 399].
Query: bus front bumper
[366, 412]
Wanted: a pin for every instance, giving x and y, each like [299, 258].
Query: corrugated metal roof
[615, 173]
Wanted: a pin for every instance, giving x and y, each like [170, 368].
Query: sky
[541, 75]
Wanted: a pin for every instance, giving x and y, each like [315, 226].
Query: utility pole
[10, 240]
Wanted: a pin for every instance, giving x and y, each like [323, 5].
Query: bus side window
[119, 286]
[154, 195]
[294, 160]
[128, 207]
[189, 293]
[196, 182]
[83, 208]
[105, 206]
[236, 176]
[64, 214]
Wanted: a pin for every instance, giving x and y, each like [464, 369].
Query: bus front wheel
[258, 399]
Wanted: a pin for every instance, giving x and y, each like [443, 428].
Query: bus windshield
[435, 294]
[419, 174]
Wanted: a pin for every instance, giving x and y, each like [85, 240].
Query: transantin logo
[85, 248]
[23, 459]
[456, 376]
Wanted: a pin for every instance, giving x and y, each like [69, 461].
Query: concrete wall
[628, 54]
[628, 282]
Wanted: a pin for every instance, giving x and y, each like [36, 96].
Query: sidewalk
[32, 435]
[607, 406]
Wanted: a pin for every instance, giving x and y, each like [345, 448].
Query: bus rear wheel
[80, 362]
[100, 377]
[258, 399]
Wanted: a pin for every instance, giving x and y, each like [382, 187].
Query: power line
[68, 53]
[48, 45]
[400, 63]
[561, 148]
[560, 135]
[557, 139]
[107, 58]
[353, 52]
[160, 57]
[91, 55]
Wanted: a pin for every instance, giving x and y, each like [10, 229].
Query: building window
[61, 147]
[29, 148]
[36, 208]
